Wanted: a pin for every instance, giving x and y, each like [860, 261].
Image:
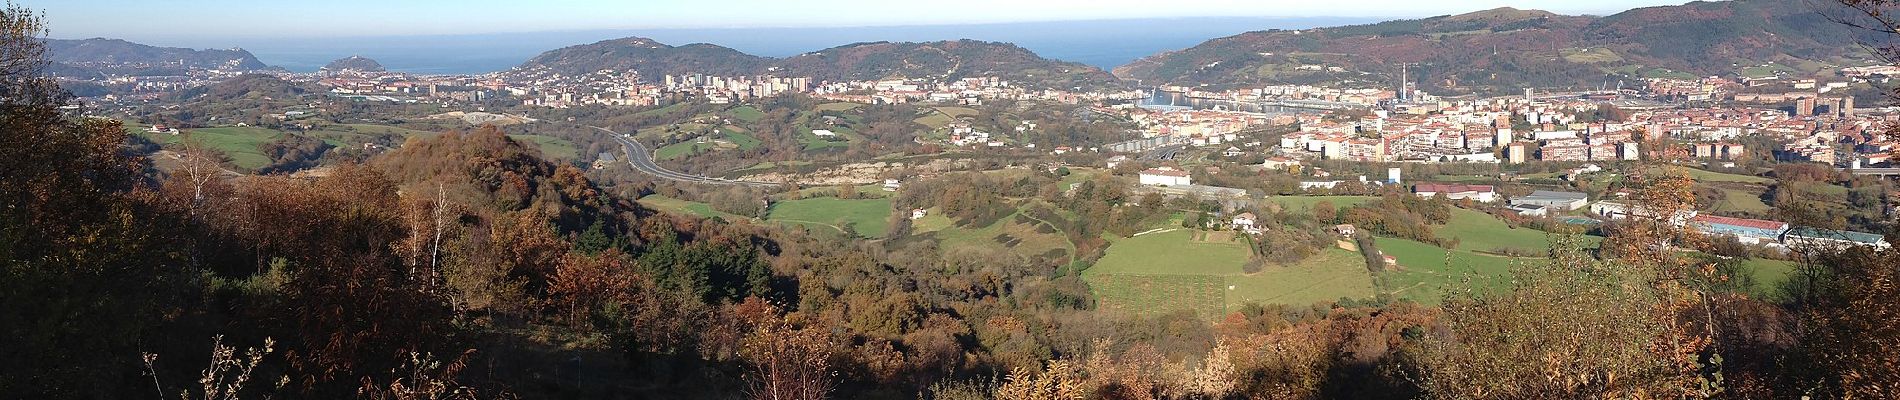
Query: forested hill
[353, 63]
[945, 60]
[941, 60]
[1504, 50]
[114, 56]
[650, 58]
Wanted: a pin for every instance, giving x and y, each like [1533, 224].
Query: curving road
[642, 159]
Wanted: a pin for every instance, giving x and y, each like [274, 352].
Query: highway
[642, 159]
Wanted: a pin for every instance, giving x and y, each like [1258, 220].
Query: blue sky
[200, 19]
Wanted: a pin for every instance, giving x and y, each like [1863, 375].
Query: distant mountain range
[940, 60]
[1494, 51]
[1504, 50]
[87, 57]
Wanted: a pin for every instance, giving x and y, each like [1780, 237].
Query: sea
[1104, 43]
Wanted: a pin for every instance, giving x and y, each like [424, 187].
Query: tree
[86, 268]
[1578, 328]
[788, 362]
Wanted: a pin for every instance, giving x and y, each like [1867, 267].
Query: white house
[823, 133]
[1165, 176]
[1479, 193]
[891, 185]
[919, 213]
[1310, 185]
[1279, 163]
[1245, 223]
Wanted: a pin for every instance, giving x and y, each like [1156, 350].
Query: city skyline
[158, 20]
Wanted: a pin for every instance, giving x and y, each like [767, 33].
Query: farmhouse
[1165, 176]
[1279, 163]
[1559, 201]
[1245, 223]
[1748, 231]
[1479, 193]
[824, 133]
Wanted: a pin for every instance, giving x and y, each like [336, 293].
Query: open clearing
[1427, 273]
[552, 147]
[1304, 203]
[1703, 175]
[1190, 270]
[238, 143]
[870, 217]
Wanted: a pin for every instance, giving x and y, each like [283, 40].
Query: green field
[734, 138]
[681, 149]
[552, 148]
[238, 143]
[1303, 203]
[843, 140]
[1702, 175]
[840, 106]
[1737, 200]
[1185, 269]
[744, 140]
[1769, 275]
[746, 113]
[871, 217]
[1480, 232]
[1023, 240]
[678, 206]
[934, 121]
[1427, 273]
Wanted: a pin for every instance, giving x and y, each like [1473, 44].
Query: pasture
[1427, 273]
[238, 143]
[869, 217]
[1180, 269]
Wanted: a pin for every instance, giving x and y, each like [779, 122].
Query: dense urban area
[1692, 201]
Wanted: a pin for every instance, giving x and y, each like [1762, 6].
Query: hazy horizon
[1101, 43]
[155, 20]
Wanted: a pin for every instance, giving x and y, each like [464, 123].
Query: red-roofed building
[1749, 231]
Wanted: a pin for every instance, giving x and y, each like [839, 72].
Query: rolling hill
[941, 60]
[944, 60]
[649, 57]
[1504, 50]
